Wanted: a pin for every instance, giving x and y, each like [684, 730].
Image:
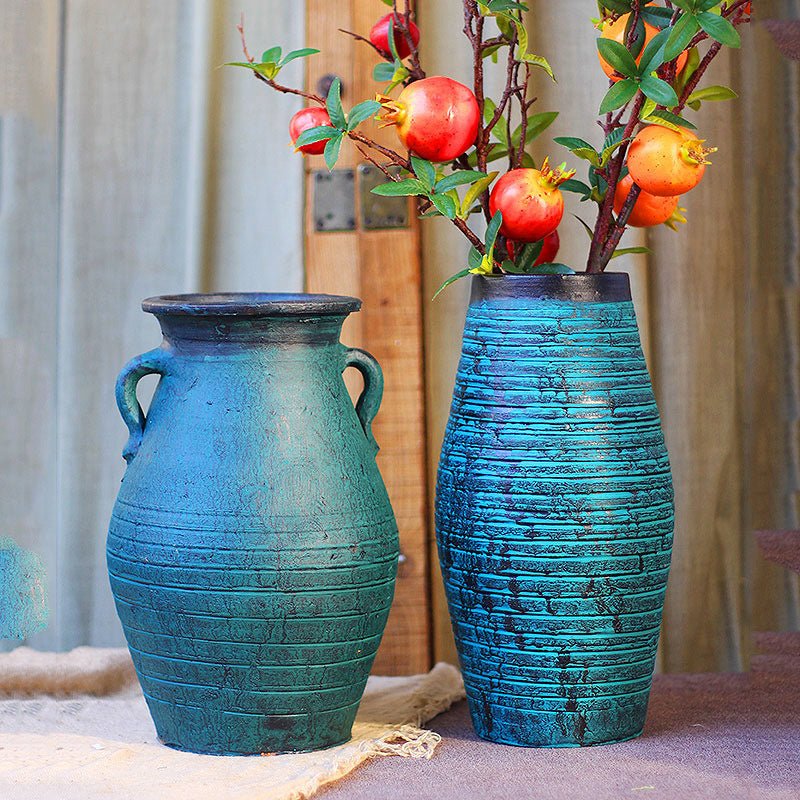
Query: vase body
[252, 549]
[554, 512]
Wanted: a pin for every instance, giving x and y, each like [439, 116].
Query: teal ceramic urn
[252, 549]
[554, 512]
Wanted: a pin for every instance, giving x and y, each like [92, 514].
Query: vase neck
[610, 287]
[197, 321]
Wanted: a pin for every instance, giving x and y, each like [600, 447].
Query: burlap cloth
[74, 726]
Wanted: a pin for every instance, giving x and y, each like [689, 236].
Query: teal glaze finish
[252, 549]
[554, 512]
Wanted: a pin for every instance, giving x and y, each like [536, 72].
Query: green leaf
[615, 137]
[498, 6]
[639, 36]
[499, 130]
[444, 204]
[668, 120]
[617, 6]
[706, 5]
[491, 51]
[361, 112]
[653, 55]
[332, 149]
[460, 178]
[682, 33]
[527, 255]
[527, 161]
[267, 70]
[334, 105]
[425, 171]
[720, 29]
[392, 43]
[535, 126]
[475, 258]
[648, 107]
[405, 188]
[585, 226]
[578, 187]
[658, 17]
[618, 56]
[580, 148]
[573, 143]
[523, 54]
[383, 71]
[389, 3]
[659, 91]
[451, 279]
[712, 93]
[312, 135]
[629, 251]
[610, 149]
[475, 191]
[295, 54]
[552, 268]
[493, 229]
[272, 56]
[539, 61]
[618, 95]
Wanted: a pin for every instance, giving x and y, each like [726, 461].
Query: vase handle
[154, 362]
[370, 400]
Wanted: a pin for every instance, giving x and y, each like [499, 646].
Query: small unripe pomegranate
[530, 201]
[436, 118]
[307, 118]
[379, 36]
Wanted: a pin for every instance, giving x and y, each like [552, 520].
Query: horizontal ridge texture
[554, 517]
[252, 551]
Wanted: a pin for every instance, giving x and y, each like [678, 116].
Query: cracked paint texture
[554, 512]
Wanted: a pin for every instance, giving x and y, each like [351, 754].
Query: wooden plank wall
[383, 268]
[725, 319]
[130, 167]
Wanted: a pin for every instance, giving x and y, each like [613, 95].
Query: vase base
[559, 745]
[224, 733]
[584, 723]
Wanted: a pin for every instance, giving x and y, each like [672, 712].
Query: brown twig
[359, 38]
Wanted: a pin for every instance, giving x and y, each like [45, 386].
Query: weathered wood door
[383, 268]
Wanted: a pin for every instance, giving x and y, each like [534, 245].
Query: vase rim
[252, 304]
[603, 287]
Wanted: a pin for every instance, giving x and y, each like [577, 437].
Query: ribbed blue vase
[554, 512]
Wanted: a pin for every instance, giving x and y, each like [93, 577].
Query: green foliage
[331, 153]
[313, 135]
[334, 105]
[440, 189]
[271, 63]
[479, 264]
[710, 93]
[406, 188]
[629, 251]
[619, 57]
[361, 112]
[619, 95]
